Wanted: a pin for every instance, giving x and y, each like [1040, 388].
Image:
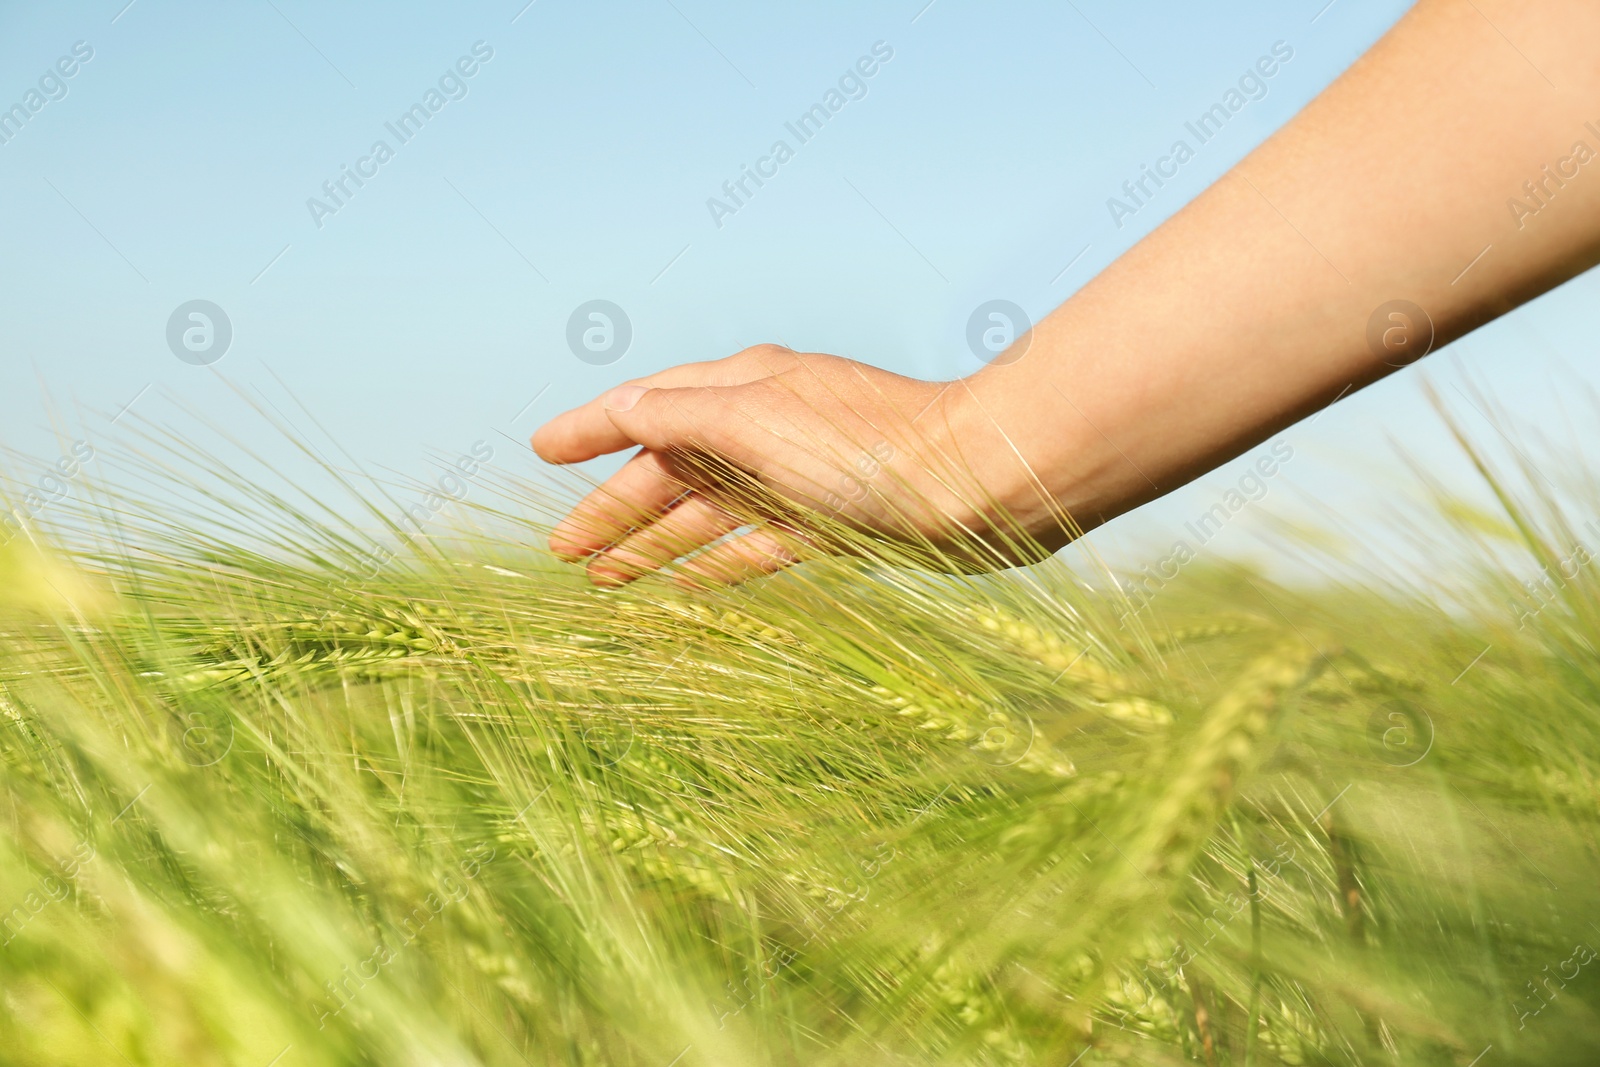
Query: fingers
[585, 432]
[757, 553]
[691, 525]
[643, 489]
[732, 423]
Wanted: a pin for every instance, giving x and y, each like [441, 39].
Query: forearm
[1244, 312]
[1250, 308]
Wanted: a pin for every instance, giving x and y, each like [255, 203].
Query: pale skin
[1243, 313]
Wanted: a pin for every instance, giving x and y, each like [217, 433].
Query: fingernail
[566, 550]
[609, 577]
[623, 397]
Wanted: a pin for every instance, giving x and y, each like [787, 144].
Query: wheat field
[274, 796]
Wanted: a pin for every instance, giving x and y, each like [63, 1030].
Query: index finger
[585, 432]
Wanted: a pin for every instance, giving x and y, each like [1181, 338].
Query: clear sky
[425, 308]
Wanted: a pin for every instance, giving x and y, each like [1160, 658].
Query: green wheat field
[285, 787]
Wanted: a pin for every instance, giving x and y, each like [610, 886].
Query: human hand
[801, 446]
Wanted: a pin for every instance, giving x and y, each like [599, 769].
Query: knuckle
[769, 348]
[769, 355]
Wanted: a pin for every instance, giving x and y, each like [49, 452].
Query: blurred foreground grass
[270, 799]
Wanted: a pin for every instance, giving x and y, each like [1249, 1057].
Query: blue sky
[431, 308]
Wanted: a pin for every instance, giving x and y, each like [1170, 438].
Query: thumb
[694, 419]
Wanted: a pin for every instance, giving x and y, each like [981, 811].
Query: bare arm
[1250, 308]
[1244, 312]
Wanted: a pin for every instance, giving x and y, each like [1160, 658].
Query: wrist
[1003, 458]
[1041, 454]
